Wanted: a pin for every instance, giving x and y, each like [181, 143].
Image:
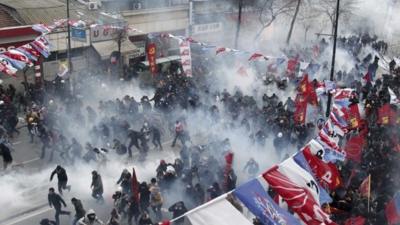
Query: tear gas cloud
[201, 126]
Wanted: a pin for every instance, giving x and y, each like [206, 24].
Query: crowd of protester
[131, 127]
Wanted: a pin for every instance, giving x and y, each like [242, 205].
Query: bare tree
[270, 10]
[328, 8]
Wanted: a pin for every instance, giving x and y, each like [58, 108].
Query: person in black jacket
[125, 181]
[6, 153]
[145, 219]
[178, 209]
[62, 179]
[47, 222]
[97, 187]
[144, 202]
[55, 201]
[79, 210]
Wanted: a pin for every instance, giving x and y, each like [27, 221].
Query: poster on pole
[151, 56]
[186, 58]
[78, 34]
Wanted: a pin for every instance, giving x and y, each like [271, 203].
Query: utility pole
[71, 83]
[238, 23]
[328, 106]
[293, 21]
[190, 30]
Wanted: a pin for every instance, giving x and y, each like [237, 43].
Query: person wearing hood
[97, 187]
[178, 209]
[115, 218]
[125, 181]
[90, 219]
[62, 179]
[55, 201]
[79, 210]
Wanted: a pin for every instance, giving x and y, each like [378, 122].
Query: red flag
[365, 187]
[228, 168]
[297, 198]
[307, 89]
[327, 173]
[151, 56]
[256, 56]
[359, 220]
[17, 55]
[300, 109]
[367, 77]
[292, 66]
[385, 114]
[135, 186]
[354, 146]
[353, 116]
[165, 222]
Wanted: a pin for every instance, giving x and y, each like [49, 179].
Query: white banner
[186, 58]
[219, 212]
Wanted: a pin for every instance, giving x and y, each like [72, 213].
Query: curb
[3, 221]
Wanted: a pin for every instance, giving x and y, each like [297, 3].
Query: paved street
[25, 189]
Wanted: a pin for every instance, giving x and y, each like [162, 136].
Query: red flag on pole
[300, 109]
[327, 173]
[299, 199]
[228, 167]
[135, 186]
[365, 187]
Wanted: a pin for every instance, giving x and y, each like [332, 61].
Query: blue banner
[253, 195]
[78, 34]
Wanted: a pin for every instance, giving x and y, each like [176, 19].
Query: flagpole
[369, 190]
[328, 106]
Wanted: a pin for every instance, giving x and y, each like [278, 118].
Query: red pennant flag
[135, 186]
[256, 56]
[359, 220]
[365, 187]
[297, 198]
[327, 173]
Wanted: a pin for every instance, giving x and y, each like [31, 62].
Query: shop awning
[105, 48]
[164, 59]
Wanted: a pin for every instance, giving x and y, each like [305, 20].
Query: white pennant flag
[217, 212]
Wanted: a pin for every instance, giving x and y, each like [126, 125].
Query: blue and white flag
[253, 195]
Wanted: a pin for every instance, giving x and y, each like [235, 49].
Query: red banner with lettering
[151, 56]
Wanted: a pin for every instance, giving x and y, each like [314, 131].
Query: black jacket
[61, 175]
[55, 200]
[79, 210]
